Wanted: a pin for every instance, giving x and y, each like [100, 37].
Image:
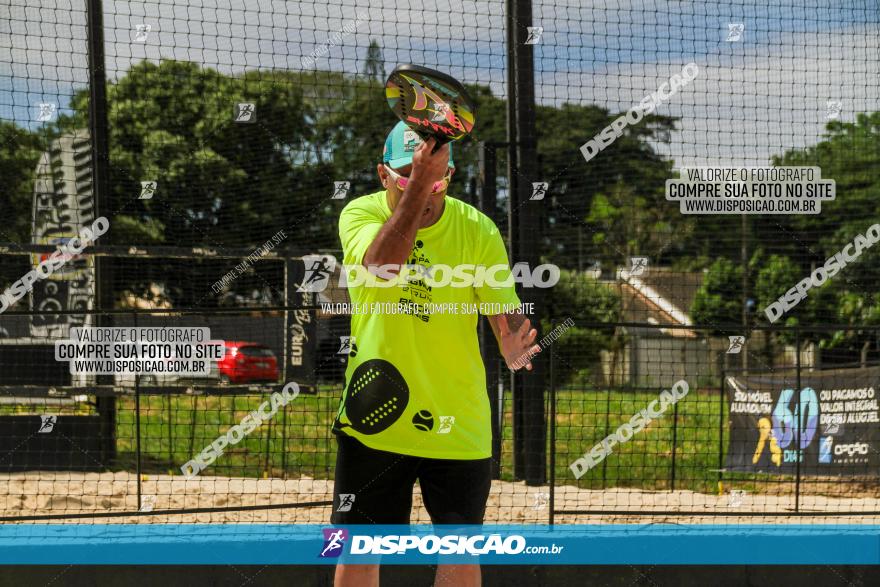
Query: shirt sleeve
[501, 298]
[358, 227]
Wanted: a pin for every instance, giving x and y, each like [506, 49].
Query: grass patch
[298, 440]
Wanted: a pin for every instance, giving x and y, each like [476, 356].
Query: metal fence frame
[552, 424]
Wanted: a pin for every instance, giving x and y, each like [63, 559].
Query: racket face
[432, 103]
[376, 397]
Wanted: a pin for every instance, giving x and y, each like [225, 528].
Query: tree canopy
[223, 183]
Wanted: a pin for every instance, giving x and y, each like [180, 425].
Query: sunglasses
[401, 180]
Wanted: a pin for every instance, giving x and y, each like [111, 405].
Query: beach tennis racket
[376, 397]
[431, 103]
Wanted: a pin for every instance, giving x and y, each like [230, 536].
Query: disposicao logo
[448, 544]
[334, 542]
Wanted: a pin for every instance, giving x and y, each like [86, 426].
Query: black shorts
[376, 487]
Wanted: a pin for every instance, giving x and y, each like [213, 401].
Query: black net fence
[701, 178]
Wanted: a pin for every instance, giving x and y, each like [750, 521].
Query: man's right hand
[427, 167]
[393, 244]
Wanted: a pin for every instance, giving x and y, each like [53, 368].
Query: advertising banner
[830, 423]
[301, 324]
[63, 204]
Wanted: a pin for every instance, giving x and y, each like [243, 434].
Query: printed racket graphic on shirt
[431, 103]
[375, 398]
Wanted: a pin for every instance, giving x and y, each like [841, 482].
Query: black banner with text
[830, 422]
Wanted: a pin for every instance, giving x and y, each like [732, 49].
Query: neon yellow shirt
[417, 384]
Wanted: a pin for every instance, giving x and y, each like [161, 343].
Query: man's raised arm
[395, 239]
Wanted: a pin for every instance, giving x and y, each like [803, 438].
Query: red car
[248, 362]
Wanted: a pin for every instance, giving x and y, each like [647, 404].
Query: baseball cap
[401, 144]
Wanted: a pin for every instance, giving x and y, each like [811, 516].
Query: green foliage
[220, 183]
[577, 351]
[579, 294]
[353, 133]
[775, 277]
[791, 247]
[228, 184]
[618, 197]
[630, 222]
[850, 155]
[719, 299]
[20, 150]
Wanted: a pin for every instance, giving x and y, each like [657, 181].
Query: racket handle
[439, 143]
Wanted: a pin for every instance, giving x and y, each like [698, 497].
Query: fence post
[798, 418]
[137, 427]
[721, 430]
[170, 435]
[486, 195]
[266, 464]
[192, 425]
[525, 227]
[100, 154]
[605, 434]
[552, 438]
[674, 440]
[284, 442]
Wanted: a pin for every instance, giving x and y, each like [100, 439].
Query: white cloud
[742, 108]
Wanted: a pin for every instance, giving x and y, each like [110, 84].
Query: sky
[758, 95]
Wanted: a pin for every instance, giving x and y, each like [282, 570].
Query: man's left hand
[516, 340]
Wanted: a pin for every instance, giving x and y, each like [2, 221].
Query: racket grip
[437, 145]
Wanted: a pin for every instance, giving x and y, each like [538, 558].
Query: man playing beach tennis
[415, 406]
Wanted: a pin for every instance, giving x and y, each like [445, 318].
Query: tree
[223, 183]
[20, 149]
[774, 277]
[631, 223]
[375, 65]
[583, 298]
[850, 155]
[627, 178]
[220, 183]
[717, 301]
[793, 246]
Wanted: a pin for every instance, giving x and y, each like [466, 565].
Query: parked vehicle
[243, 362]
[248, 362]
